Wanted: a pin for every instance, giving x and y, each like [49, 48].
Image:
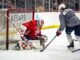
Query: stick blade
[41, 50]
[76, 50]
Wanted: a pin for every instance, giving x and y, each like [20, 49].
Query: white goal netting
[3, 16]
[9, 18]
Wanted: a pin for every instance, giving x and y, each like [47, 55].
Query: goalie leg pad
[23, 44]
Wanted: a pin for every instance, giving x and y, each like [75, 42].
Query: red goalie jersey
[33, 28]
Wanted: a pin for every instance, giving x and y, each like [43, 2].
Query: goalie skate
[16, 47]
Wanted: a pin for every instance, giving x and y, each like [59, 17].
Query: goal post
[13, 17]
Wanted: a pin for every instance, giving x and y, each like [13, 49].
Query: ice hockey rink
[57, 50]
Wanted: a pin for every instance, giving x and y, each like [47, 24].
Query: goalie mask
[40, 23]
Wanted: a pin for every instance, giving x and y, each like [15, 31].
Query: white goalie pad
[35, 43]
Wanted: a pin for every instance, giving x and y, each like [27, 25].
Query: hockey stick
[48, 44]
[76, 50]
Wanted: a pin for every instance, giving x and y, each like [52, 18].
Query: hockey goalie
[32, 31]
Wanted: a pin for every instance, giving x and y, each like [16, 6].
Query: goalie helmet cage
[16, 17]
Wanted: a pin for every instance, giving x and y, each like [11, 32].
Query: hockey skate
[71, 45]
[17, 47]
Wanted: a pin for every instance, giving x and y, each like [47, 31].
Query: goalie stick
[24, 38]
[19, 32]
[48, 44]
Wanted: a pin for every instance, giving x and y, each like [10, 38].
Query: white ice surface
[57, 50]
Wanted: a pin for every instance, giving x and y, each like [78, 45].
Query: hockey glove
[58, 33]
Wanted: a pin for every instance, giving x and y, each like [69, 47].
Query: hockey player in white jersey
[70, 22]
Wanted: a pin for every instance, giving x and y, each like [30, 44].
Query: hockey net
[10, 18]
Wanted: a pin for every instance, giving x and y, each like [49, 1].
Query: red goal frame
[7, 25]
